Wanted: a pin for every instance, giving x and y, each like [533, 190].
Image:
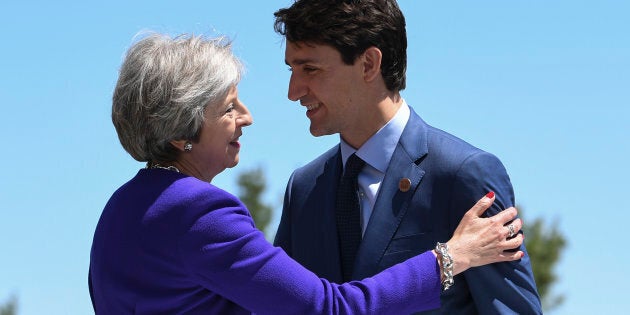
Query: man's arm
[283, 234]
[501, 288]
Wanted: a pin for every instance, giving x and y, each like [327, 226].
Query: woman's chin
[234, 163]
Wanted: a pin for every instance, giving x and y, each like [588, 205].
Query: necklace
[168, 168]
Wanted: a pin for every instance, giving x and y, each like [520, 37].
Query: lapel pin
[404, 184]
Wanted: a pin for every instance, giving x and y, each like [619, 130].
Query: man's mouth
[312, 106]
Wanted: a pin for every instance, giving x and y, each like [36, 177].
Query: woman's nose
[246, 117]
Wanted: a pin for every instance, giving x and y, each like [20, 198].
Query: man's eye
[230, 108]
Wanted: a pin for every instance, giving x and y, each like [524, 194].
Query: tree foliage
[10, 307]
[252, 184]
[544, 245]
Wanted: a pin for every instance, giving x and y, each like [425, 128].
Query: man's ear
[179, 144]
[372, 58]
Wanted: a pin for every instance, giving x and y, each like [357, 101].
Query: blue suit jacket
[447, 177]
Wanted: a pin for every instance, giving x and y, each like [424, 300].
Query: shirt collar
[377, 151]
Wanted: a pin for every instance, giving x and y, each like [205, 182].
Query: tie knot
[353, 166]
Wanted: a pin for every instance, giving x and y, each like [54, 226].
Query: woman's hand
[479, 241]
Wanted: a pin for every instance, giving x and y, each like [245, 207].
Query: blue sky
[544, 85]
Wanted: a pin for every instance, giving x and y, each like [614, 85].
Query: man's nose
[297, 89]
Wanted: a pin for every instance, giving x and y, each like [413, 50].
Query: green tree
[10, 308]
[252, 184]
[544, 245]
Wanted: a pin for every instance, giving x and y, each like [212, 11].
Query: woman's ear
[372, 58]
[179, 144]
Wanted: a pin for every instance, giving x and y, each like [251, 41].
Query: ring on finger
[511, 230]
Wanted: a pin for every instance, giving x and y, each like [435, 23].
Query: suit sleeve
[501, 288]
[283, 234]
[224, 252]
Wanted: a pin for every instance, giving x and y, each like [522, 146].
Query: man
[348, 62]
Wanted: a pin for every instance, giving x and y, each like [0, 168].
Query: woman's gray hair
[164, 86]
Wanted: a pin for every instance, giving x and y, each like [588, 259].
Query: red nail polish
[490, 194]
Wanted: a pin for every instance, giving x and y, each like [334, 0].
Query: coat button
[404, 184]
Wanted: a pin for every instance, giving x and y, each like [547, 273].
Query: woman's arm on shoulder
[225, 253]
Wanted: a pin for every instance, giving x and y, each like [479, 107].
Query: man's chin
[318, 131]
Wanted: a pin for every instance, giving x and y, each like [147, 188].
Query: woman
[170, 242]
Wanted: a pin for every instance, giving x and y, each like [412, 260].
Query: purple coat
[167, 243]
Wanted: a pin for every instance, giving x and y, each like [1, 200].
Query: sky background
[544, 85]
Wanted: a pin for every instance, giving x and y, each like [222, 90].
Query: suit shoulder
[445, 153]
[318, 164]
[447, 145]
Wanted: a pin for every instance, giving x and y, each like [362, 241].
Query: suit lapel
[392, 203]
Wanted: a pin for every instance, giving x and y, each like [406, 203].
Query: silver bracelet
[447, 265]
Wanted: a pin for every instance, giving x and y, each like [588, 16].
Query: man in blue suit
[348, 62]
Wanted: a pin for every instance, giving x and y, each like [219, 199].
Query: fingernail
[522, 255]
[490, 194]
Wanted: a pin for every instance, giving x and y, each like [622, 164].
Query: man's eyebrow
[298, 61]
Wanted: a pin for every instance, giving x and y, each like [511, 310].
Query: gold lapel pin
[404, 184]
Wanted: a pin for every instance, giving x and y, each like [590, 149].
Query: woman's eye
[230, 108]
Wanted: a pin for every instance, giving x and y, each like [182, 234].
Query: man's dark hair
[351, 26]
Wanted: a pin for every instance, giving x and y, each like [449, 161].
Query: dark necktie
[348, 215]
